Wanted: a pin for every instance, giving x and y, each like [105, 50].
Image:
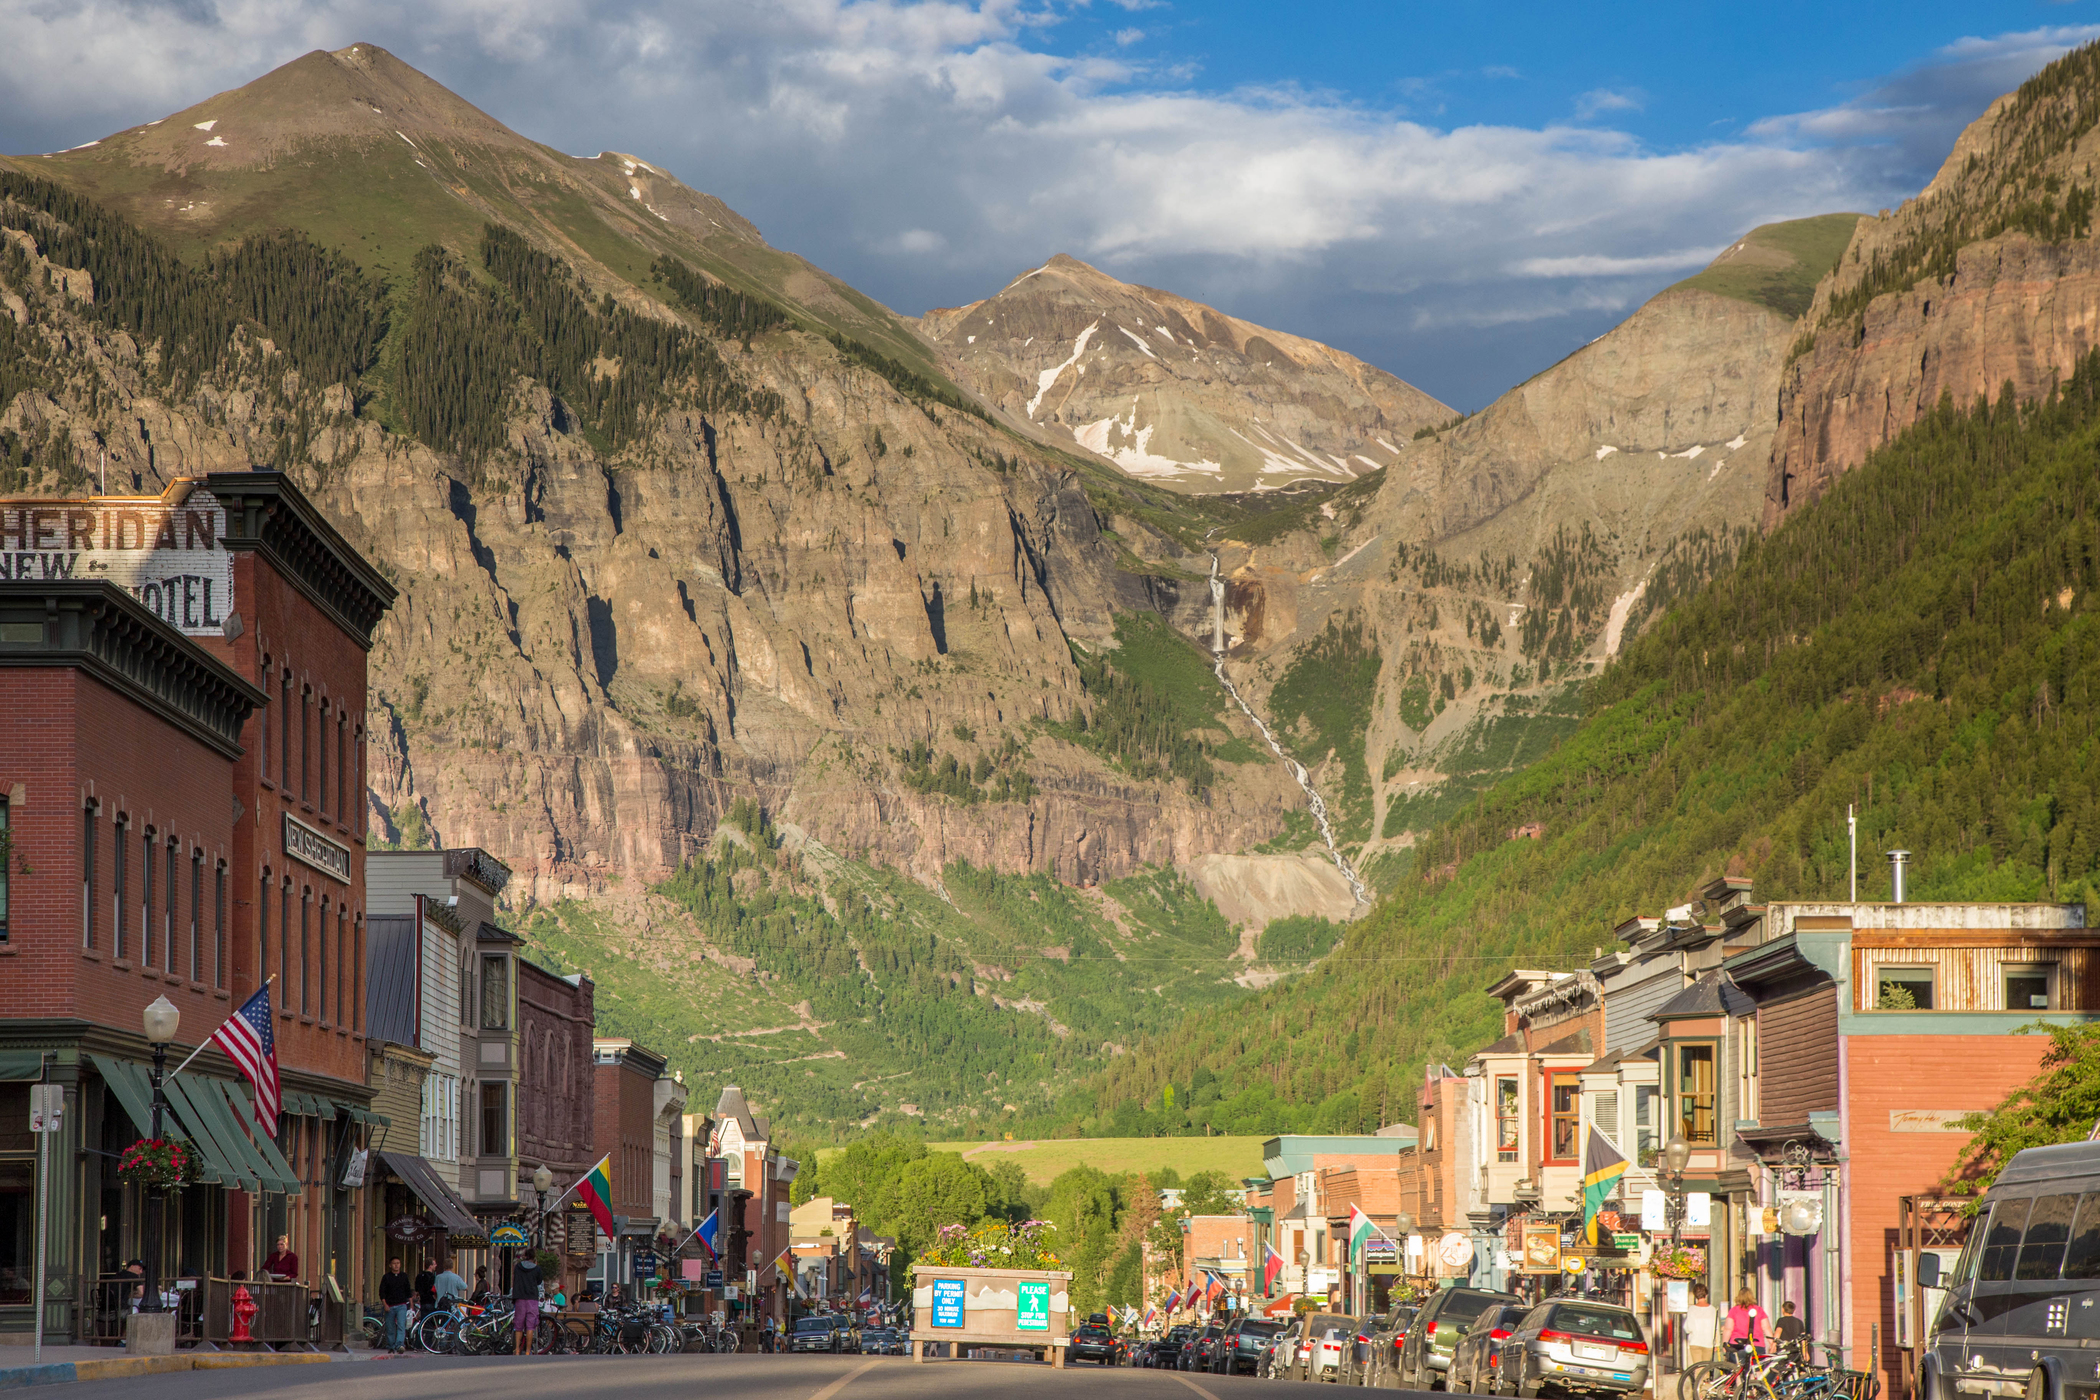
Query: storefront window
[17, 1233]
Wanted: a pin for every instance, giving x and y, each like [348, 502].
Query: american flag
[251, 1043]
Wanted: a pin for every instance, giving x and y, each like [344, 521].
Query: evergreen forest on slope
[1924, 642]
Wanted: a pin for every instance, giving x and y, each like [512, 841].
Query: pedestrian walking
[1747, 1322]
[1699, 1323]
[1791, 1332]
[449, 1286]
[765, 1334]
[480, 1296]
[525, 1278]
[394, 1292]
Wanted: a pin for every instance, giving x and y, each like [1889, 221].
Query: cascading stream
[1312, 794]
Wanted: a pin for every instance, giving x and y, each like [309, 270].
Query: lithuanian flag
[595, 1191]
[1602, 1167]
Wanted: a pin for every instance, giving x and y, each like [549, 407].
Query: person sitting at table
[282, 1263]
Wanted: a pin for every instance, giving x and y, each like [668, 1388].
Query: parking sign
[947, 1302]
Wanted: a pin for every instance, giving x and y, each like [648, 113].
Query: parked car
[820, 1332]
[1282, 1351]
[1326, 1337]
[1095, 1343]
[1435, 1332]
[1574, 1346]
[1195, 1355]
[2032, 1261]
[1476, 1363]
[1166, 1352]
[883, 1341]
[1387, 1337]
[1239, 1350]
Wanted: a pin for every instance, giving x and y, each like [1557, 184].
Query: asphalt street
[741, 1377]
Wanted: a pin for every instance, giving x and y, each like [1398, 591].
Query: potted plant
[999, 1286]
[164, 1162]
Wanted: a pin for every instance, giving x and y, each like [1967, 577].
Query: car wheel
[2037, 1384]
[1528, 1386]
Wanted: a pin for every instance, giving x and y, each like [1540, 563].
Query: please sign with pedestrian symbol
[1032, 1308]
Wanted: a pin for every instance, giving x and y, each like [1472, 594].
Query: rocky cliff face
[1170, 390]
[1989, 277]
[598, 648]
[1488, 565]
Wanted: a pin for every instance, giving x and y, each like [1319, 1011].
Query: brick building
[182, 758]
[623, 1128]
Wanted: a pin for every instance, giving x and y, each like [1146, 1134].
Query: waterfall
[1312, 794]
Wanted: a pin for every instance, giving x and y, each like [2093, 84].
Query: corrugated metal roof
[390, 978]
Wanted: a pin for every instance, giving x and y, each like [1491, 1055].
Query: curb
[124, 1367]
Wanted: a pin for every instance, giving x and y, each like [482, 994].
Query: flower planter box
[1012, 1309]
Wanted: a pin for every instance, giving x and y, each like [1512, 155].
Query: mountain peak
[1172, 390]
[359, 94]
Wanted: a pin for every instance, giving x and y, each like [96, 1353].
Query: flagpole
[207, 1040]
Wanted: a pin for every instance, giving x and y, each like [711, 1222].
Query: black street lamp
[1676, 1157]
[162, 1019]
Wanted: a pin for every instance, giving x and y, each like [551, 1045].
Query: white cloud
[851, 130]
[1600, 100]
[1600, 265]
[1127, 37]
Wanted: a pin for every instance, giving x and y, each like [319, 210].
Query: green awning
[244, 1112]
[208, 1133]
[135, 1091]
[18, 1065]
[366, 1115]
[236, 1133]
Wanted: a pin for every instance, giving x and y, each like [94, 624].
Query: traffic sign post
[47, 1111]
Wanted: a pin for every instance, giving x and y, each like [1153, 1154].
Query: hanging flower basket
[162, 1162]
[1679, 1261]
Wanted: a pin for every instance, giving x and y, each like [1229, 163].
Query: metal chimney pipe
[1896, 863]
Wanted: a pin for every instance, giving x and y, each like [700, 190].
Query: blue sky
[1459, 193]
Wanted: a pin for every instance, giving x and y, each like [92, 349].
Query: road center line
[840, 1384]
[1193, 1386]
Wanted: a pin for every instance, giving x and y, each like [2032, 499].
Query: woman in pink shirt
[1747, 1321]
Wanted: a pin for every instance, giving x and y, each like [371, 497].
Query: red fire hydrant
[244, 1310]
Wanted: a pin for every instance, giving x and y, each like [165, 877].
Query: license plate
[1595, 1353]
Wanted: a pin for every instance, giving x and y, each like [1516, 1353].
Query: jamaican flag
[1602, 1166]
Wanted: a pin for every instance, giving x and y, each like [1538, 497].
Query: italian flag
[1360, 1230]
[595, 1191]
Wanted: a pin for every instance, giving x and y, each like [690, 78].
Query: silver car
[1570, 1345]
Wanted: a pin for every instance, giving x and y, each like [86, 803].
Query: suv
[1094, 1342]
[821, 1332]
[1239, 1351]
[1387, 1338]
[1196, 1355]
[1476, 1362]
[1432, 1338]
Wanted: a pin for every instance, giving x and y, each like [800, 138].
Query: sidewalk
[63, 1364]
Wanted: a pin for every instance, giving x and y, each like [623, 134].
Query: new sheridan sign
[302, 842]
[164, 550]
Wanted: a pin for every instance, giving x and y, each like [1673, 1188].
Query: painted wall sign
[947, 1302]
[1927, 1120]
[302, 842]
[164, 550]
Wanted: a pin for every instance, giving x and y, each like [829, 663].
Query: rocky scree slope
[661, 543]
[1171, 390]
[1989, 277]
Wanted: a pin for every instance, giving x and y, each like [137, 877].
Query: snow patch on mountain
[1133, 454]
[1049, 376]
